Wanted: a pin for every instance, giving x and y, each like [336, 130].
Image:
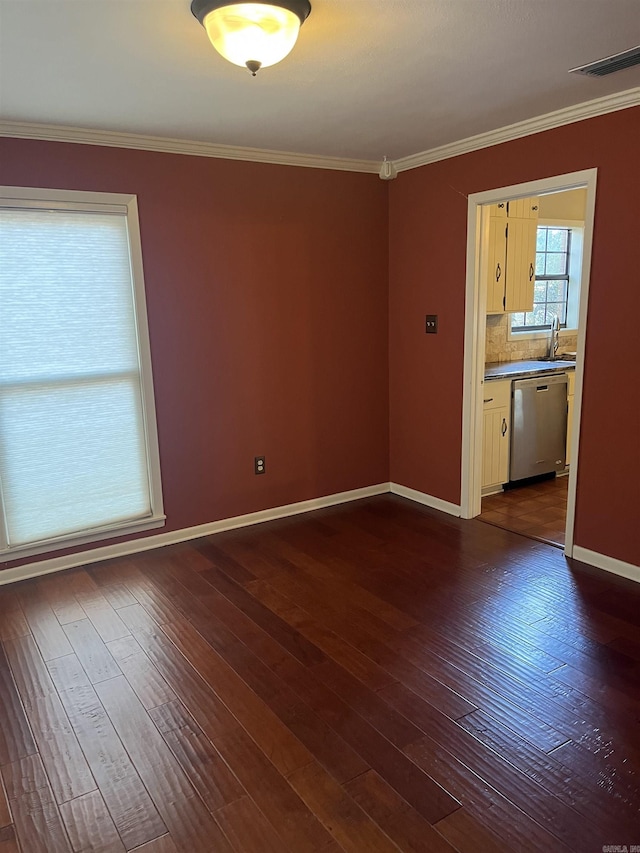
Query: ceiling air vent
[617, 62]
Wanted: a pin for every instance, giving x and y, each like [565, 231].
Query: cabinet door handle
[489, 400]
[504, 426]
[498, 272]
[531, 272]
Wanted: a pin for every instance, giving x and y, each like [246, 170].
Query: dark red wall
[267, 299]
[277, 314]
[427, 228]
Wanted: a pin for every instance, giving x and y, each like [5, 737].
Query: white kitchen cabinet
[510, 266]
[496, 257]
[571, 381]
[496, 428]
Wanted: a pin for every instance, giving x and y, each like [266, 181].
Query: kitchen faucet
[554, 338]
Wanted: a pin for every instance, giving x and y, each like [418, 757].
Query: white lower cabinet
[496, 434]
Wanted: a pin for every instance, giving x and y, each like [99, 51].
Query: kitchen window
[78, 446]
[557, 281]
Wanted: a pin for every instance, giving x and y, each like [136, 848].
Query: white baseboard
[427, 500]
[135, 546]
[148, 543]
[609, 564]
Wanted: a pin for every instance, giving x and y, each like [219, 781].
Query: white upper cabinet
[511, 255]
[496, 257]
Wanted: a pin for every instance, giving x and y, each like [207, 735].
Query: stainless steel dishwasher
[538, 426]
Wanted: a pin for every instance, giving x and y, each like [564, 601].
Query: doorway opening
[524, 353]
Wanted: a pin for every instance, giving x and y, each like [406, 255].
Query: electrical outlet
[258, 465]
[431, 324]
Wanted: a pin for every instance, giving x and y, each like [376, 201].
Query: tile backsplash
[499, 348]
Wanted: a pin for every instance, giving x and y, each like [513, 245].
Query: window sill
[96, 535]
[530, 336]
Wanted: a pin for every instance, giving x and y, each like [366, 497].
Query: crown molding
[166, 145]
[568, 115]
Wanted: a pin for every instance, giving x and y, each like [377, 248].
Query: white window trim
[575, 273]
[105, 203]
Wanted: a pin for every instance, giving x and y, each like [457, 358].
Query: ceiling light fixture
[254, 35]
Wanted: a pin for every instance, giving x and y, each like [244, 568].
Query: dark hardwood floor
[370, 677]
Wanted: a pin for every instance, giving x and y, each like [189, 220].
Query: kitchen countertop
[519, 369]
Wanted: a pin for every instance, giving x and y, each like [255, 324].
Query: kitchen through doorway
[538, 336]
[528, 289]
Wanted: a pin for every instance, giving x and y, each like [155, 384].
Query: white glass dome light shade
[252, 34]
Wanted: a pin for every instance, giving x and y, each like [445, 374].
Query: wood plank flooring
[371, 677]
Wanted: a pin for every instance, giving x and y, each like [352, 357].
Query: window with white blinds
[78, 445]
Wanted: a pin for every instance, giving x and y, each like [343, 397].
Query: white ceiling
[367, 78]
